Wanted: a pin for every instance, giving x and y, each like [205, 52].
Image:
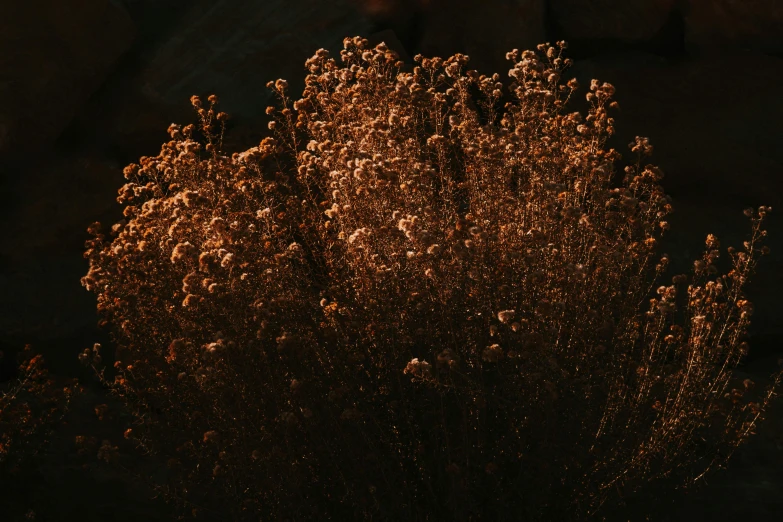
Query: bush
[428, 296]
[31, 406]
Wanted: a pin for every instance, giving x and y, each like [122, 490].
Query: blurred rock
[41, 263]
[485, 34]
[626, 20]
[445, 27]
[400, 16]
[53, 56]
[229, 48]
[386, 9]
[718, 26]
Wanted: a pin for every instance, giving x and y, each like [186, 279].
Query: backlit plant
[428, 296]
[32, 405]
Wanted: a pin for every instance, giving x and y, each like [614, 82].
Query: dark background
[88, 86]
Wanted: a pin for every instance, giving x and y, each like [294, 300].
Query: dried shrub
[428, 296]
[31, 406]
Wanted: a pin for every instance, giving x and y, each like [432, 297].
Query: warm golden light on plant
[426, 296]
